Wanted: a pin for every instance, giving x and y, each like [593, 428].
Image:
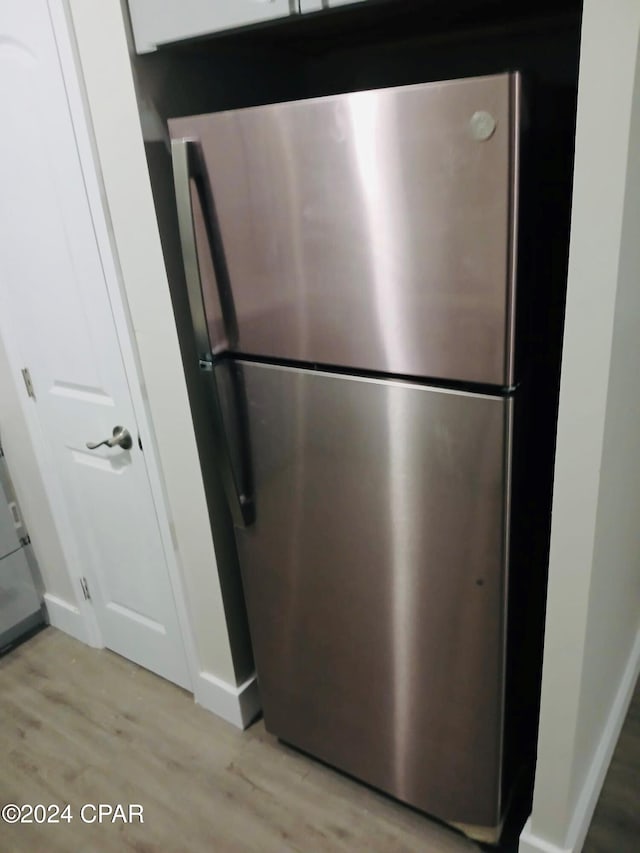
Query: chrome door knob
[120, 438]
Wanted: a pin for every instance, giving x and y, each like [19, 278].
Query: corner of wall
[68, 618]
[532, 843]
[588, 555]
[237, 705]
[103, 53]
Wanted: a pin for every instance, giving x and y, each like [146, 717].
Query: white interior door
[56, 314]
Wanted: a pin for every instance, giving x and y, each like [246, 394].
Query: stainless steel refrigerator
[20, 603]
[350, 262]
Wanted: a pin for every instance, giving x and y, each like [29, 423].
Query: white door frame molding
[100, 37]
[86, 627]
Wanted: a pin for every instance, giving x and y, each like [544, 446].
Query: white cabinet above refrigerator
[318, 5]
[156, 23]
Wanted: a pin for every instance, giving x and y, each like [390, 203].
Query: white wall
[103, 55]
[26, 477]
[614, 600]
[592, 642]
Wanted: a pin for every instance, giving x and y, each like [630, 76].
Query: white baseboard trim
[237, 705]
[532, 843]
[66, 617]
[592, 786]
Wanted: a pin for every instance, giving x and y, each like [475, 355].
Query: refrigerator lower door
[375, 580]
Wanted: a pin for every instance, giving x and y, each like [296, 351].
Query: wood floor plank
[84, 726]
[616, 822]
[79, 725]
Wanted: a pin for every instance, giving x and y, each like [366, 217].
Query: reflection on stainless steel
[369, 230]
[375, 580]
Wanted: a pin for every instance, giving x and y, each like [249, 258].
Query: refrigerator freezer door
[373, 230]
[375, 580]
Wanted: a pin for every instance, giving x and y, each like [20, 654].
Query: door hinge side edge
[85, 589]
[28, 384]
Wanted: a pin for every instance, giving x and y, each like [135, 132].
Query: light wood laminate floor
[84, 726]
